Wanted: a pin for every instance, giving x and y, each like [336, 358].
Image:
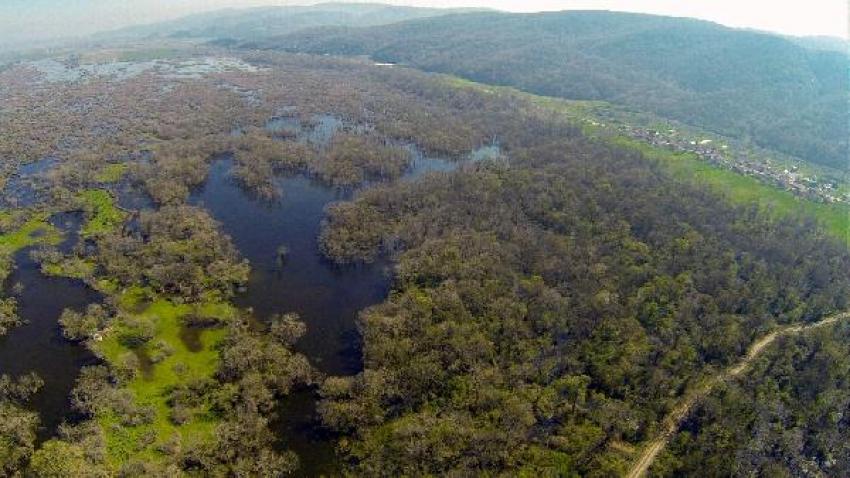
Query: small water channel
[38, 346]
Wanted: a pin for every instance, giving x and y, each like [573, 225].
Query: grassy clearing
[162, 362]
[34, 231]
[835, 218]
[101, 211]
[17, 233]
[111, 173]
[73, 267]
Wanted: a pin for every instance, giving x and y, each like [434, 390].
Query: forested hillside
[738, 83]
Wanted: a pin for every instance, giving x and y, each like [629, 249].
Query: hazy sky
[32, 19]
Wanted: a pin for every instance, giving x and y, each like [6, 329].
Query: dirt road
[674, 419]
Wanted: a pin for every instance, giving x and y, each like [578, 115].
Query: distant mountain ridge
[825, 43]
[263, 22]
[764, 87]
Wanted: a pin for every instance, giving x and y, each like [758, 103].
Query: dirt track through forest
[674, 419]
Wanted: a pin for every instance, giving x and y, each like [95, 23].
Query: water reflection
[318, 131]
[26, 187]
[38, 346]
[327, 297]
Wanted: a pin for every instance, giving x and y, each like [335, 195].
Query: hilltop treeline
[548, 310]
[742, 84]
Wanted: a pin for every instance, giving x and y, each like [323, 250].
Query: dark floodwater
[327, 297]
[38, 346]
[319, 133]
[37, 167]
[128, 196]
[25, 188]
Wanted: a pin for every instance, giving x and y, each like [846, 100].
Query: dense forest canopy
[788, 419]
[569, 296]
[549, 298]
[756, 86]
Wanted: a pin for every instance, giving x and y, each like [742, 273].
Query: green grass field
[834, 218]
[72, 267]
[17, 233]
[35, 230]
[102, 214]
[111, 173]
[164, 361]
[170, 353]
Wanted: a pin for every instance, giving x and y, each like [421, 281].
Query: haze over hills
[263, 22]
[826, 43]
[739, 83]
